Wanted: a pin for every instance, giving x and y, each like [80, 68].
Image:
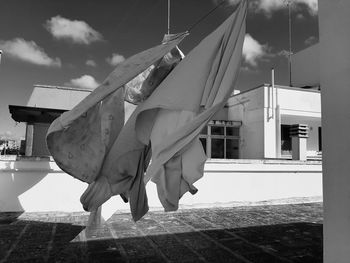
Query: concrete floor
[271, 233]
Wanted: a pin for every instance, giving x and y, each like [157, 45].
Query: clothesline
[205, 16]
[199, 20]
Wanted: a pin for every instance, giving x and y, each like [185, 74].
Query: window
[319, 139]
[286, 142]
[220, 139]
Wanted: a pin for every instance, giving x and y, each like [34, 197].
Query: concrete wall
[295, 107]
[252, 135]
[56, 97]
[221, 115]
[302, 107]
[39, 140]
[270, 119]
[334, 21]
[306, 67]
[300, 102]
[248, 107]
[41, 186]
[257, 109]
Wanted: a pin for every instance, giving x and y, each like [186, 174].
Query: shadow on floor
[9, 217]
[33, 241]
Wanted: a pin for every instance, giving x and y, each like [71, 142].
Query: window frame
[209, 136]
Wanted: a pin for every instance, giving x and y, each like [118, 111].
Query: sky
[78, 43]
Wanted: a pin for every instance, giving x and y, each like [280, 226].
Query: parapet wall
[39, 185]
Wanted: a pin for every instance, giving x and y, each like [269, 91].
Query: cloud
[310, 41]
[84, 82]
[253, 51]
[28, 51]
[269, 6]
[6, 135]
[115, 59]
[91, 63]
[77, 31]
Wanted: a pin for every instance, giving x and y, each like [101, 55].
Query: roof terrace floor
[269, 233]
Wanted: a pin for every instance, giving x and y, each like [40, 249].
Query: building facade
[254, 124]
[245, 128]
[45, 104]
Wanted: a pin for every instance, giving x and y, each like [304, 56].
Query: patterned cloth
[91, 142]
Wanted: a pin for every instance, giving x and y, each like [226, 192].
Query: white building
[253, 125]
[247, 128]
[45, 104]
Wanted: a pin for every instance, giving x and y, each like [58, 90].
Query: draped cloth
[92, 143]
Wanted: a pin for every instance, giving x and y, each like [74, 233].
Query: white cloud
[77, 31]
[253, 50]
[269, 6]
[311, 4]
[115, 59]
[28, 51]
[6, 135]
[85, 82]
[91, 63]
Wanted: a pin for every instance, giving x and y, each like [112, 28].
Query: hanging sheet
[165, 126]
[80, 139]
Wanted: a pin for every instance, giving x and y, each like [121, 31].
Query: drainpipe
[277, 114]
[270, 105]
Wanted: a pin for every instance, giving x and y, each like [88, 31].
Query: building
[245, 128]
[45, 104]
[254, 124]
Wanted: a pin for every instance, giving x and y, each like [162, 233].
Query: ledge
[47, 165]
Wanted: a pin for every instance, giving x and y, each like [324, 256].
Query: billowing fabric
[80, 139]
[166, 126]
[141, 87]
[183, 104]
[173, 116]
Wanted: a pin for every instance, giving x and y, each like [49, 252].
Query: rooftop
[305, 88]
[270, 233]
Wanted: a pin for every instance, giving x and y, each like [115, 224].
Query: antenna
[289, 2]
[168, 17]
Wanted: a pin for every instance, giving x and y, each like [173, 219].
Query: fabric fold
[173, 116]
[92, 143]
[80, 139]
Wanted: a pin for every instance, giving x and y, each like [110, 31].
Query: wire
[168, 17]
[205, 16]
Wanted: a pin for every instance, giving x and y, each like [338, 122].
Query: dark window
[220, 141]
[232, 147]
[320, 139]
[232, 131]
[217, 130]
[218, 148]
[286, 142]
